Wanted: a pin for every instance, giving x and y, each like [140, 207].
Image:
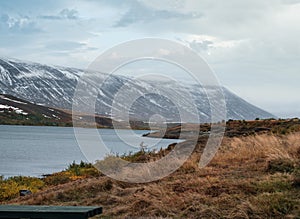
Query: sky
[253, 46]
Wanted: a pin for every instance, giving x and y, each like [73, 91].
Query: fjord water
[35, 150]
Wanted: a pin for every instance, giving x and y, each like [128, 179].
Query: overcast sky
[252, 45]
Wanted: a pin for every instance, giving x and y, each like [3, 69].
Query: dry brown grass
[236, 184]
[254, 148]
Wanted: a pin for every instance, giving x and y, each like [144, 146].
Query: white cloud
[139, 12]
[65, 13]
[164, 52]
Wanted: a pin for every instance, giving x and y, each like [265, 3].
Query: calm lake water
[34, 151]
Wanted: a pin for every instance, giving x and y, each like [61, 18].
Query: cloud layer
[252, 45]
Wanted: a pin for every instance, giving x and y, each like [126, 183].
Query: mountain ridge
[54, 86]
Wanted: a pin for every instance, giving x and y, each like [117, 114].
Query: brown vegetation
[234, 128]
[255, 176]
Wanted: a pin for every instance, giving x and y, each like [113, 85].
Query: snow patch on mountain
[15, 101]
[11, 108]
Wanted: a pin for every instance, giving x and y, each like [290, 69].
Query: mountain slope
[54, 86]
[15, 111]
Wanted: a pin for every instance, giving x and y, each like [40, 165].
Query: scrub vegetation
[252, 176]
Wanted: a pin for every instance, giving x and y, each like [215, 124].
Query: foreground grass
[250, 177]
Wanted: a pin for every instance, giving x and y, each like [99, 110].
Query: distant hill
[54, 87]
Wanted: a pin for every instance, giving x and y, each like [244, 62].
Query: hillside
[54, 86]
[16, 111]
[254, 175]
[234, 128]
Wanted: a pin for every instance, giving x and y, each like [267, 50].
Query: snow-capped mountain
[55, 86]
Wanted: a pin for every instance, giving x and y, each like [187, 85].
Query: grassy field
[253, 176]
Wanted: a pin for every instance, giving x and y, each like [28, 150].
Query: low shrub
[282, 165]
[273, 186]
[273, 205]
[9, 188]
[57, 179]
[296, 178]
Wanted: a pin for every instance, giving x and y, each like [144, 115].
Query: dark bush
[280, 165]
